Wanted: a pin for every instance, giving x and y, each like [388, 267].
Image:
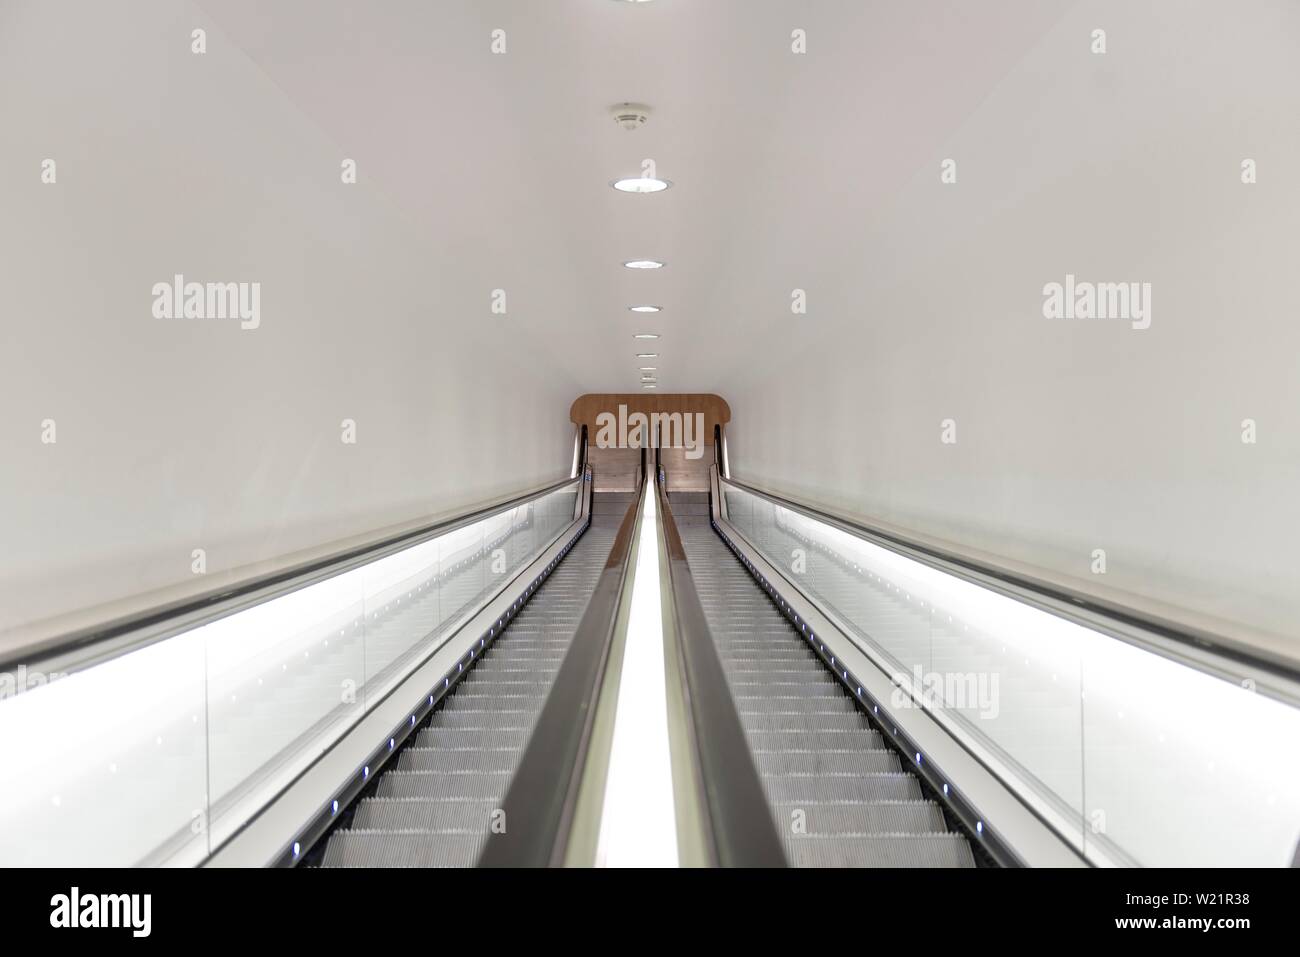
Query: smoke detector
[630, 116]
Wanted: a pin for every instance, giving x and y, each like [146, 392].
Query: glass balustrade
[159, 755]
[1134, 757]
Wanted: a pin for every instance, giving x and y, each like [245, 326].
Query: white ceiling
[503, 161]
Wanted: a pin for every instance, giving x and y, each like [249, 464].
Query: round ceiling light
[645, 308]
[640, 184]
[646, 335]
[647, 355]
[630, 116]
[648, 369]
[643, 264]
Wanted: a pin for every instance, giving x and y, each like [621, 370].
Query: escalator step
[419, 814]
[828, 762]
[468, 700]
[784, 689]
[802, 721]
[470, 738]
[445, 761]
[485, 719]
[879, 817]
[931, 850]
[820, 740]
[826, 788]
[402, 849]
[809, 704]
[470, 786]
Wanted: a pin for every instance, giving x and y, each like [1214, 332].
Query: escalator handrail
[95, 644]
[1056, 598]
[741, 829]
[539, 804]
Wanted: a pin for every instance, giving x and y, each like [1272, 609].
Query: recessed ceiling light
[647, 355]
[646, 335]
[643, 264]
[649, 386]
[645, 308]
[645, 378]
[648, 369]
[640, 184]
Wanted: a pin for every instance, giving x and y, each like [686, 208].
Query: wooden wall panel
[587, 407]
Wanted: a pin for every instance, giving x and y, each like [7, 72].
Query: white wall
[1072, 436]
[174, 435]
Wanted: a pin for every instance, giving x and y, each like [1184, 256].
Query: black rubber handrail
[1059, 595]
[742, 832]
[219, 602]
[539, 804]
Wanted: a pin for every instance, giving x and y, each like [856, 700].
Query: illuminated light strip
[638, 826]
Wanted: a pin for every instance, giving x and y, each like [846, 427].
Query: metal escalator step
[816, 740]
[506, 670]
[470, 738]
[437, 786]
[490, 684]
[402, 849]
[446, 761]
[930, 850]
[545, 626]
[555, 642]
[793, 656]
[467, 700]
[827, 762]
[848, 818]
[825, 789]
[745, 674]
[485, 719]
[783, 703]
[782, 689]
[511, 697]
[419, 814]
[525, 659]
[802, 721]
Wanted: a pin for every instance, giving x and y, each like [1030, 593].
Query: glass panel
[1184, 768]
[161, 754]
[881, 601]
[462, 573]
[284, 678]
[106, 767]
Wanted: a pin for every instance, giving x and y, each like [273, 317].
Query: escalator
[838, 795]
[442, 796]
